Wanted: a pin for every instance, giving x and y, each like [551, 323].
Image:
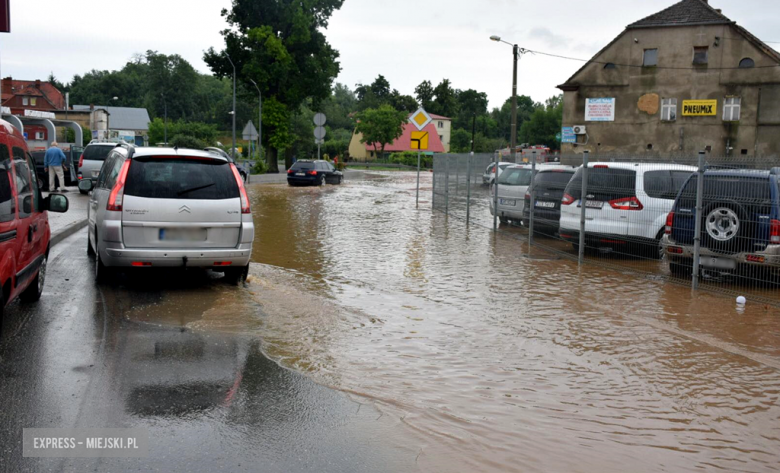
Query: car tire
[236, 276]
[321, 182]
[83, 192]
[103, 273]
[680, 270]
[738, 241]
[503, 220]
[35, 289]
[341, 178]
[90, 251]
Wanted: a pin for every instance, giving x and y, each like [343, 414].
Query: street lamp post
[516, 51]
[233, 150]
[259, 121]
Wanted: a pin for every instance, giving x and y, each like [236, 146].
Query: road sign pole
[418, 179]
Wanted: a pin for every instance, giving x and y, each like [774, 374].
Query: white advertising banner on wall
[600, 110]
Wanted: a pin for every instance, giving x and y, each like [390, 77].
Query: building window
[441, 124]
[668, 110]
[747, 63]
[731, 109]
[441, 137]
[651, 57]
[39, 135]
[25, 101]
[33, 101]
[610, 65]
[700, 55]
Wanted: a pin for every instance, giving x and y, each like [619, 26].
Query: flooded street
[497, 361]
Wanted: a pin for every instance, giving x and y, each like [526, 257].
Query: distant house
[439, 132]
[124, 123]
[20, 96]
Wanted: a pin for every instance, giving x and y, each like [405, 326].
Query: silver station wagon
[167, 207]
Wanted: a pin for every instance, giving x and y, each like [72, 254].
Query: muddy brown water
[494, 361]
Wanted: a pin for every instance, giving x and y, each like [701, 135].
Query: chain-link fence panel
[711, 222]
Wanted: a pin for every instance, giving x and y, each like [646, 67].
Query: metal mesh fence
[710, 222]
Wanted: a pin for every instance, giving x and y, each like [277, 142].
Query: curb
[66, 232]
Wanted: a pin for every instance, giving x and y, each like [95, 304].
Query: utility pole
[233, 150]
[515, 53]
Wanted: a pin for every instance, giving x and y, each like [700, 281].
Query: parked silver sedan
[162, 207]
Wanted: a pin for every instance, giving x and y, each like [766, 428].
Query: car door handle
[30, 234]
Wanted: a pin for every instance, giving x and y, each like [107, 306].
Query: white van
[626, 206]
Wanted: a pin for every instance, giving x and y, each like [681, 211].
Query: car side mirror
[56, 203]
[85, 185]
[27, 205]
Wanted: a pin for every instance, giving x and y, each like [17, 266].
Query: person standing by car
[54, 162]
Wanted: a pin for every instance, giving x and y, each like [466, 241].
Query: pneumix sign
[700, 108]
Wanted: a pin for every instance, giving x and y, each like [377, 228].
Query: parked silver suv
[163, 207]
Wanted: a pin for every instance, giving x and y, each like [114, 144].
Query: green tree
[381, 126]
[407, 103]
[281, 46]
[186, 141]
[204, 132]
[424, 93]
[446, 101]
[544, 125]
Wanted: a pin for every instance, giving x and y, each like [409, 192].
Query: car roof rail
[130, 148]
[775, 171]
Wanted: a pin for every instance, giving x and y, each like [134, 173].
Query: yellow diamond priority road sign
[420, 119]
[420, 140]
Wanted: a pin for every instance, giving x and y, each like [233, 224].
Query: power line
[590, 61]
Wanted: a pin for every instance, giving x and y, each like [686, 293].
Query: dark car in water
[549, 186]
[740, 226]
[313, 173]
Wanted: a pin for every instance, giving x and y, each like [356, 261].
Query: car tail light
[527, 195]
[81, 160]
[140, 264]
[600, 166]
[628, 203]
[223, 263]
[675, 250]
[567, 199]
[242, 190]
[118, 192]
[669, 223]
[312, 173]
[774, 231]
[289, 171]
[755, 258]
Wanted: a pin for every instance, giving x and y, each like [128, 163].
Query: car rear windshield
[300, 166]
[97, 153]
[515, 177]
[181, 179]
[665, 184]
[553, 179]
[604, 184]
[745, 190]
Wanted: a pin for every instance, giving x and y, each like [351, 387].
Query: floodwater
[496, 361]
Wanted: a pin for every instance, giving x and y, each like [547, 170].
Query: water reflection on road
[497, 361]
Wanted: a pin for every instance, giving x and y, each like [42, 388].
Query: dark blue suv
[740, 228]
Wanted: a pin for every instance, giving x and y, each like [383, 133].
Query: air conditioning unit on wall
[579, 129]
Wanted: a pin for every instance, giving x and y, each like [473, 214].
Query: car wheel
[321, 182]
[725, 227]
[236, 276]
[83, 192]
[503, 220]
[680, 270]
[90, 251]
[35, 289]
[102, 272]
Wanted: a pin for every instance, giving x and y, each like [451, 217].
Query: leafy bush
[186, 141]
[260, 167]
[409, 158]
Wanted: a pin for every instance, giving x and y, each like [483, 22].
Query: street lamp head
[115, 98]
[495, 38]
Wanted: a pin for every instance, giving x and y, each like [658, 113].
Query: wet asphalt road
[210, 401]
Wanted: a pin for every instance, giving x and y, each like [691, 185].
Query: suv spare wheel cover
[722, 224]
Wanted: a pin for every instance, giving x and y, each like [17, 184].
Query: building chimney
[37, 83]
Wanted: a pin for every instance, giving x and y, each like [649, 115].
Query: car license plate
[594, 204]
[182, 234]
[717, 263]
[510, 202]
[546, 205]
[300, 174]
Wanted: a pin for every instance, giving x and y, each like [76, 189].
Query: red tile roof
[50, 93]
[438, 117]
[404, 143]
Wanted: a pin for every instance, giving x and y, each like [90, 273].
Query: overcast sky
[407, 41]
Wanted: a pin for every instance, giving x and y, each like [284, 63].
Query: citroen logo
[184, 208]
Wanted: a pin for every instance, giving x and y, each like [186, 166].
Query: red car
[24, 221]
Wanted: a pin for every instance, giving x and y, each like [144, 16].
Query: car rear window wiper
[185, 191]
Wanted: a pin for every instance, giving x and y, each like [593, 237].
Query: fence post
[418, 179]
[495, 196]
[583, 205]
[533, 200]
[468, 183]
[433, 187]
[447, 186]
[697, 234]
